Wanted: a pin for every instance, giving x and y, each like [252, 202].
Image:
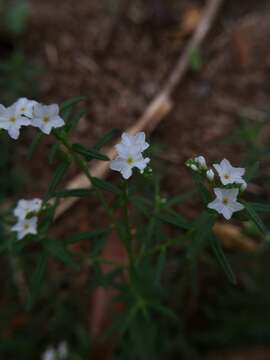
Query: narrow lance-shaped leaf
[106, 138]
[254, 217]
[105, 185]
[80, 193]
[33, 147]
[89, 154]
[37, 279]
[57, 177]
[71, 102]
[221, 258]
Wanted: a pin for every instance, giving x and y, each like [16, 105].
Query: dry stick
[158, 108]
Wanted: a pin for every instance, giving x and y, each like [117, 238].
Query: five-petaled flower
[129, 154]
[12, 119]
[25, 207]
[226, 202]
[229, 174]
[25, 106]
[26, 213]
[46, 117]
[25, 226]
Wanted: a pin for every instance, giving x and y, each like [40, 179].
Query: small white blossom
[52, 354]
[194, 167]
[25, 227]
[62, 350]
[229, 174]
[46, 117]
[226, 202]
[129, 155]
[210, 175]
[200, 160]
[49, 354]
[11, 119]
[25, 107]
[25, 207]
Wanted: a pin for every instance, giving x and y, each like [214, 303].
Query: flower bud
[243, 186]
[194, 167]
[201, 161]
[210, 175]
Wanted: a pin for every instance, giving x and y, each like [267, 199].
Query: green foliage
[173, 266]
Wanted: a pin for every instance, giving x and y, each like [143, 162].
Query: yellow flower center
[225, 201]
[46, 119]
[26, 226]
[12, 119]
[23, 109]
[130, 161]
[226, 176]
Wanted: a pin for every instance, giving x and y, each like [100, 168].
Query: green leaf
[33, 147]
[260, 207]
[59, 251]
[52, 153]
[71, 102]
[105, 185]
[72, 124]
[57, 177]
[106, 138]
[89, 154]
[87, 235]
[37, 279]
[221, 258]
[254, 217]
[173, 218]
[143, 205]
[81, 193]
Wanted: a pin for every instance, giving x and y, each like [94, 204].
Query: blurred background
[119, 53]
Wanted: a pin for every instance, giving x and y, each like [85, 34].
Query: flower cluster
[61, 352]
[25, 112]
[231, 179]
[129, 154]
[26, 213]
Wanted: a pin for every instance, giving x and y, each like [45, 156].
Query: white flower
[25, 207]
[129, 154]
[200, 160]
[25, 106]
[229, 174]
[226, 202]
[49, 354]
[25, 227]
[11, 119]
[210, 175]
[52, 354]
[62, 350]
[136, 142]
[46, 117]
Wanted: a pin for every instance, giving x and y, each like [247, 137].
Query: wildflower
[226, 202]
[49, 354]
[46, 117]
[129, 154]
[11, 119]
[201, 162]
[54, 354]
[25, 227]
[229, 174]
[25, 107]
[210, 175]
[25, 207]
